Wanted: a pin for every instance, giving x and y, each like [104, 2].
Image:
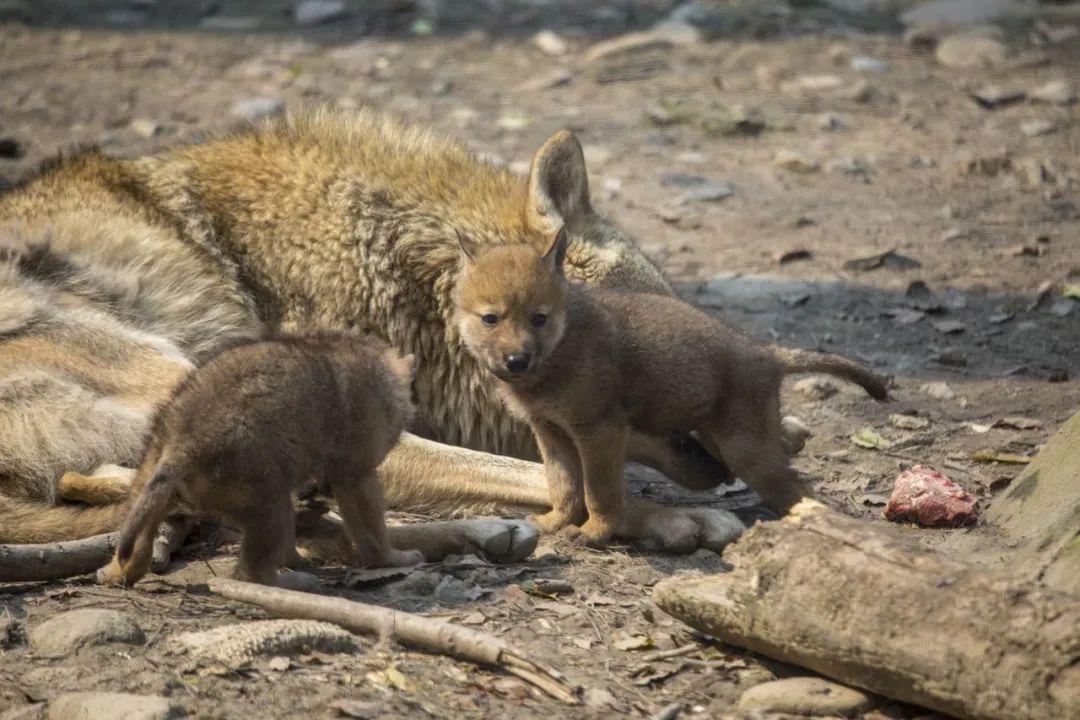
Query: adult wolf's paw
[679, 529]
[504, 541]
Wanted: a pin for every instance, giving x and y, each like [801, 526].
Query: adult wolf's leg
[108, 484]
[426, 475]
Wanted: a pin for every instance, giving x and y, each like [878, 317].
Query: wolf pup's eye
[539, 320]
[489, 319]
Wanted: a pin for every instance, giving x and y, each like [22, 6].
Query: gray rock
[970, 52]
[452, 591]
[1057, 92]
[316, 12]
[1063, 307]
[550, 43]
[707, 192]
[697, 188]
[1036, 126]
[144, 127]
[68, 632]
[255, 109]
[865, 63]
[112, 706]
[939, 390]
[964, 12]
[805, 696]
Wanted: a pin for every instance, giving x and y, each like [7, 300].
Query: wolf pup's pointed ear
[555, 255]
[469, 247]
[404, 366]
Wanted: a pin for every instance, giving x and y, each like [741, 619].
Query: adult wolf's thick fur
[116, 276]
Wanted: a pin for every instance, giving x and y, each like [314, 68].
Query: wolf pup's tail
[796, 361]
[134, 547]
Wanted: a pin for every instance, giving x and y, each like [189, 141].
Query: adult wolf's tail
[794, 360]
[22, 521]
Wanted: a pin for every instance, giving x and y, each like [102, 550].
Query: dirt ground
[838, 139]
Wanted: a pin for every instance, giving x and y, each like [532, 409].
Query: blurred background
[895, 180]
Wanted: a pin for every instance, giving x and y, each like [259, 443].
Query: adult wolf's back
[117, 275]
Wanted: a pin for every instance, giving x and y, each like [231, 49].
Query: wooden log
[53, 561]
[863, 604]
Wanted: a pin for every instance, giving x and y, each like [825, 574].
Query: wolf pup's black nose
[517, 362]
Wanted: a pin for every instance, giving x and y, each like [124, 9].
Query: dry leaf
[980, 429]
[634, 642]
[909, 422]
[399, 680]
[870, 439]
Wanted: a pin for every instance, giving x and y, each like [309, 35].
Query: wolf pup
[585, 366]
[255, 422]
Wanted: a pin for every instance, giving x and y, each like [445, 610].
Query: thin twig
[666, 654]
[427, 633]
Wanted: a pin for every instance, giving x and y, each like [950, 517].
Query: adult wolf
[117, 276]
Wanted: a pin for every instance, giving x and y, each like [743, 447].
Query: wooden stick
[668, 654]
[430, 634]
[52, 561]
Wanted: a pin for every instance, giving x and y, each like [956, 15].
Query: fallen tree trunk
[860, 603]
[53, 561]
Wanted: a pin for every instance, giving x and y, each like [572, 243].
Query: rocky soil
[888, 179]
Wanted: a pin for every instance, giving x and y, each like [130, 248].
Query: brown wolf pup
[587, 366]
[258, 420]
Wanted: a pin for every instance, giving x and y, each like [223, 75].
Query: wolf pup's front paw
[111, 574]
[553, 521]
[592, 533]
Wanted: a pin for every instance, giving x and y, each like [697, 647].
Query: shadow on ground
[919, 332]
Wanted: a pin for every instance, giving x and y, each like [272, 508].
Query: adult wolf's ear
[556, 252]
[558, 184]
[469, 247]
